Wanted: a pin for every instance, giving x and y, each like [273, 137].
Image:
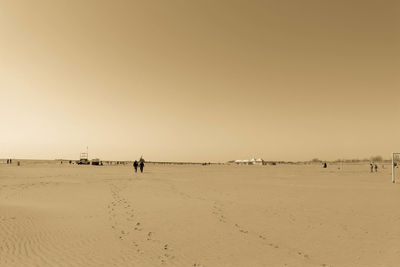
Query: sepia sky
[199, 80]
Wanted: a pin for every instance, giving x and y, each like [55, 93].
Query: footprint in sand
[149, 234]
[241, 229]
[303, 255]
[218, 213]
[273, 245]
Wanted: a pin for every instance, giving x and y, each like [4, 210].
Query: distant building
[252, 161]
[259, 161]
[242, 161]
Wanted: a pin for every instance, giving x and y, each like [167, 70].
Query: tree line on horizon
[371, 159]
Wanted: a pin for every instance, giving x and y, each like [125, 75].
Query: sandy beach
[218, 215]
[234, 106]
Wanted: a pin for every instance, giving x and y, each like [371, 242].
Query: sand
[285, 215]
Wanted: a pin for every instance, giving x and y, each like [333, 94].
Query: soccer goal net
[395, 166]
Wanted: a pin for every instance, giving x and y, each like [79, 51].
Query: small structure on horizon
[252, 161]
[83, 159]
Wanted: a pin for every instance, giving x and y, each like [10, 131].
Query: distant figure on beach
[141, 165]
[376, 167]
[325, 165]
[135, 165]
[8, 161]
[371, 165]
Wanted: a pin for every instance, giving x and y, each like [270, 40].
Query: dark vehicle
[96, 162]
[83, 159]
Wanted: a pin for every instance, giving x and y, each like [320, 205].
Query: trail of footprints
[128, 228]
[218, 212]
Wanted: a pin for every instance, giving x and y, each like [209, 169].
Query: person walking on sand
[141, 165]
[371, 165]
[376, 167]
[135, 165]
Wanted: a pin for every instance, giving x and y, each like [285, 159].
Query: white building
[259, 161]
[252, 161]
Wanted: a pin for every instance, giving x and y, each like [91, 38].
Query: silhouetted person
[141, 165]
[135, 165]
[325, 165]
[8, 161]
[376, 167]
[371, 165]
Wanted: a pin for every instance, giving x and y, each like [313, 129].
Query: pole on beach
[393, 167]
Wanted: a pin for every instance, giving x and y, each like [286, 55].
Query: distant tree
[316, 160]
[377, 158]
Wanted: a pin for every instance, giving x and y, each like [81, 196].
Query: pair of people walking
[139, 164]
[373, 166]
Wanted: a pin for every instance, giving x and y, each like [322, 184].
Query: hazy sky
[199, 80]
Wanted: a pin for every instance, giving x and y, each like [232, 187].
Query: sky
[199, 80]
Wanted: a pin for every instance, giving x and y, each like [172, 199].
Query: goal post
[395, 164]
